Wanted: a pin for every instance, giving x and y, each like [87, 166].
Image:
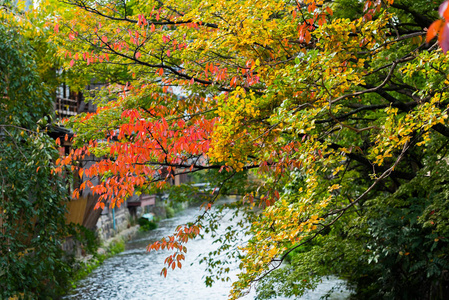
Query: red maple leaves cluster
[440, 27]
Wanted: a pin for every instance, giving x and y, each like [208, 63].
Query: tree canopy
[336, 111]
[32, 198]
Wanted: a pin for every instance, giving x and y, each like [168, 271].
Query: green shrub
[170, 212]
[116, 247]
[146, 225]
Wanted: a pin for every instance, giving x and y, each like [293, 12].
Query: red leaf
[367, 5]
[233, 81]
[164, 272]
[307, 37]
[443, 37]
[443, 10]
[433, 30]
[311, 7]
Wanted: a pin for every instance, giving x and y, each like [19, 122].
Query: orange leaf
[311, 7]
[446, 13]
[307, 37]
[433, 30]
[233, 81]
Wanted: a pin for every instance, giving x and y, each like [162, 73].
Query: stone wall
[105, 224]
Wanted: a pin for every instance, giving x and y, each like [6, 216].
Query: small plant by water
[83, 268]
[146, 225]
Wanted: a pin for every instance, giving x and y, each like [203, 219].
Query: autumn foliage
[333, 107]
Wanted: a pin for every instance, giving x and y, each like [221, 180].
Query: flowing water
[135, 273]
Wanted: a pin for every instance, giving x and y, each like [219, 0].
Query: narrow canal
[135, 273]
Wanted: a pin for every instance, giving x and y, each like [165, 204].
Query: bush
[170, 212]
[146, 225]
[87, 239]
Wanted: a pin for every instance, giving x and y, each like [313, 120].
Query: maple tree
[335, 106]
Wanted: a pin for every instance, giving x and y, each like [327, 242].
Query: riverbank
[84, 265]
[114, 245]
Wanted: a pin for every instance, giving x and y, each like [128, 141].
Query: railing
[66, 107]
